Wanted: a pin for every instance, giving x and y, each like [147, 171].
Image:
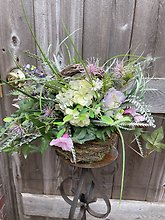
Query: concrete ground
[55, 207]
[134, 210]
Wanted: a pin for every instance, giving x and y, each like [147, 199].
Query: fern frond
[135, 124]
[28, 139]
[139, 145]
[143, 109]
[7, 142]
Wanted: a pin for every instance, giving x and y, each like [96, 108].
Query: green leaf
[82, 117]
[47, 128]
[160, 145]
[158, 135]
[149, 146]
[25, 150]
[8, 119]
[84, 110]
[138, 131]
[61, 132]
[147, 138]
[107, 120]
[154, 138]
[108, 132]
[67, 118]
[124, 119]
[59, 123]
[9, 149]
[44, 144]
[80, 133]
[91, 114]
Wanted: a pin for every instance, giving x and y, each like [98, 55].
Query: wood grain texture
[107, 32]
[45, 23]
[139, 171]
[32, 175]
[149, 25]
[71, 14]
[155, 95]
[145, 27]
[17, 177]
[156, 185]
[8, 187]
[50, 19]
[159, 66]
[107, 28]
[12, 44]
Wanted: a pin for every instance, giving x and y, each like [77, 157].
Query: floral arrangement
[78, 107]
[83, 101]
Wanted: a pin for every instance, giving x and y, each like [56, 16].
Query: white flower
[97, 84]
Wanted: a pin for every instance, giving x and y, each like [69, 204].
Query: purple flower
[119, 69]
[139, 118]
[93, 69]
[113, 99]
[65, 142]
[132, 111]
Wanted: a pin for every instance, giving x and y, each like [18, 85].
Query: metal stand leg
[83, 196]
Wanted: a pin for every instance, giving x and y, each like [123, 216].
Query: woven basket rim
[90, 151]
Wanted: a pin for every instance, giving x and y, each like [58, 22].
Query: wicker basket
[90, 151]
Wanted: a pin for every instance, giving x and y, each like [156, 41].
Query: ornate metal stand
[83, 195]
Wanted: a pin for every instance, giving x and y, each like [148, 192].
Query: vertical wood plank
[144, 31]
[17, 178]
[147, 38]
[156, 190]
[8, 187]
[12, 44]
[50, 19]
[144, 36]
[107, 28]
[137, 175]
[32, 175]
[107, 32]
[45, 23]
[159, 65]
[71, 13]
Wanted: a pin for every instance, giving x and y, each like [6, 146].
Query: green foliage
[154, 140]
[8, 119]
[81, 135]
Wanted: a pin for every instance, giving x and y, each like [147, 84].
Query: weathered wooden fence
[106, 28]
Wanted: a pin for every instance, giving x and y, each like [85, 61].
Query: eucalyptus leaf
[8, 119]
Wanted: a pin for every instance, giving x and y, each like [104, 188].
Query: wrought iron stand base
[83, 195]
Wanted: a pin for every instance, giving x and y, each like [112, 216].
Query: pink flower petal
[64, 142]
[139, 118]
[131, 111]
[65, 135]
